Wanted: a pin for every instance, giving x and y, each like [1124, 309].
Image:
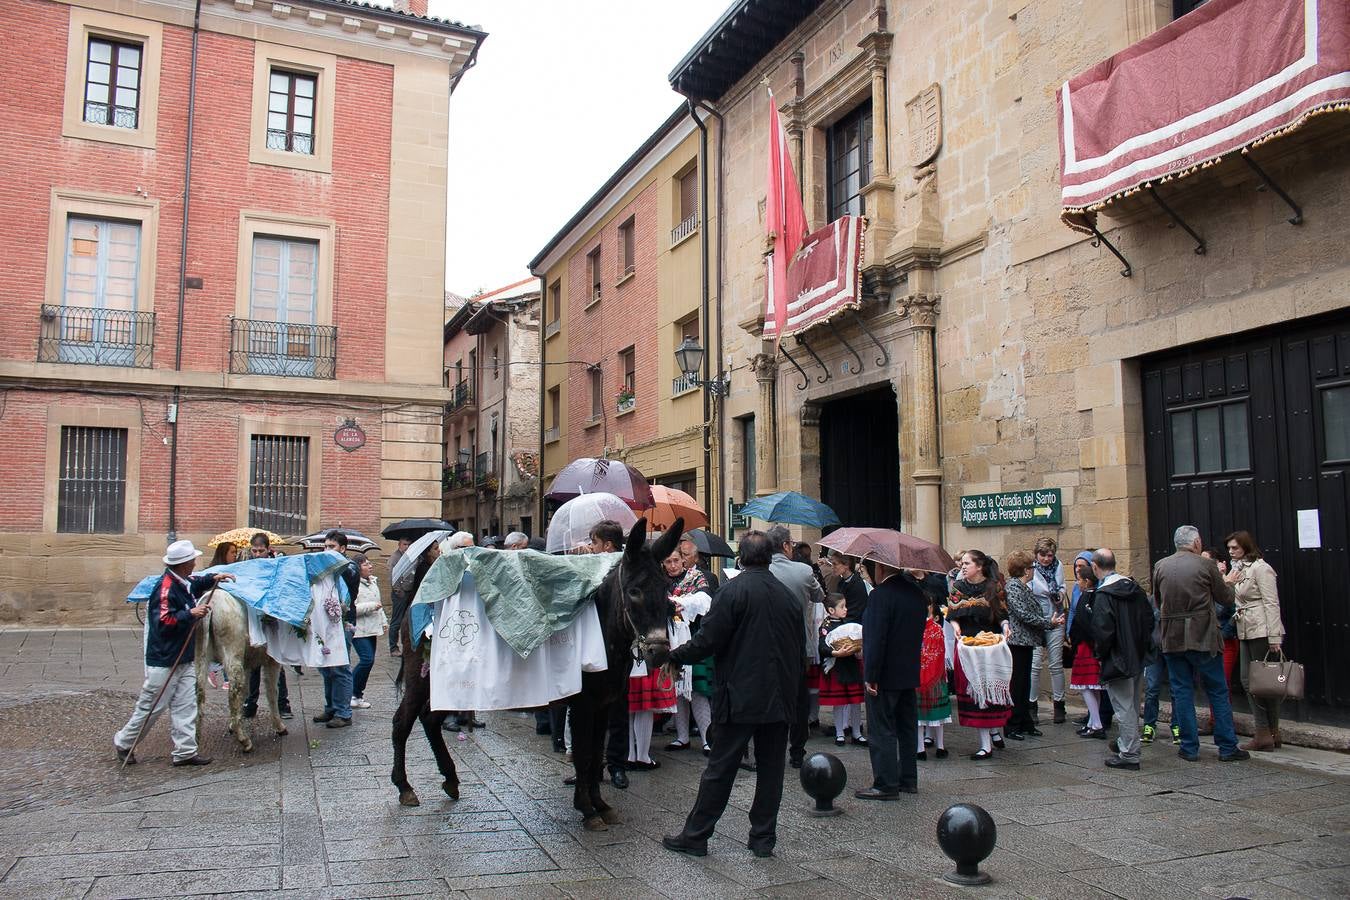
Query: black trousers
[616, 744]
[893, 735]
[1020, 720]
[255, 685]
[714, 788]
[400, 602]
[798, 730]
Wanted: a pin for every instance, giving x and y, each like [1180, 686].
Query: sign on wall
[1042, 506]
[736, 521]
[350, 436]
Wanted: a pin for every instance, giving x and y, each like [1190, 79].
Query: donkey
[414, 680]
[222, 637]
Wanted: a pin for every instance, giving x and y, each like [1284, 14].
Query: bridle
[642, 645]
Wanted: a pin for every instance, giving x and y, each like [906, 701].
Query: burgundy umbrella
[890, 548]
[608, 476]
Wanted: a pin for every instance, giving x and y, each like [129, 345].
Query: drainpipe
[543, 395]
[703, 309]
[721, 399]
[182, 274]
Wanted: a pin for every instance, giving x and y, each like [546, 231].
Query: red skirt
[1087, 671]
[968, 713]
[645, 692]
[834, 692]
[813, 678]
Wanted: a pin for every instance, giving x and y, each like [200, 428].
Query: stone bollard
[824, 777]
[966, 833]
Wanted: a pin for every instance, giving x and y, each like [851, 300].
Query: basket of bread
[983, 639]
[846, 639]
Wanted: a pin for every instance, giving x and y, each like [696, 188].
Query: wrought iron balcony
[461, 397]
[684, 229]
[259, 347]
[683, 383]
[458, 477]
[485, 471]
[96, 337]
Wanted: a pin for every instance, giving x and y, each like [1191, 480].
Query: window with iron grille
[627, 260]
[290, 111]
[92, 480]
[278, 483]
[849, 156]
[112, 83]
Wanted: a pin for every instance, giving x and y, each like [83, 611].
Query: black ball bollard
[966, 833]
[824, 777]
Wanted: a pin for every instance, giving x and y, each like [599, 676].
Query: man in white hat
[170, 676]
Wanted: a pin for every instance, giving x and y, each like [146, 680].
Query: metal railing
[96, 337]
[684, 229]
[259, 347]
[461, 396]
[683, 383]
[458, 477]
[483, 469]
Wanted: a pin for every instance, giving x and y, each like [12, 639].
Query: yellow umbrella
[240, 537]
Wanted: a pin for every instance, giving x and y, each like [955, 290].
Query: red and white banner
[784, 221]
[1220, 78]
[822, 279]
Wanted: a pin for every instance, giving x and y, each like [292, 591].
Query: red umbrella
[890, 548]
[608, 476]
[669, 504]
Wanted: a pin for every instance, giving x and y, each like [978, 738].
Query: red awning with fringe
[823, 277]
[1226, 77]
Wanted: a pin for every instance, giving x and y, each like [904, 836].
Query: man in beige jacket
[1187, 586]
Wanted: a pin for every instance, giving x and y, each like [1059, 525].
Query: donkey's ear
[666, 543]
[637, 540]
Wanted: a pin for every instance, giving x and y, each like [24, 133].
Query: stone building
[997, 350]
[491, 421]
[224, 244]
[623, 288]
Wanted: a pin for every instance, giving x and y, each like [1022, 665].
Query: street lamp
[689, 357]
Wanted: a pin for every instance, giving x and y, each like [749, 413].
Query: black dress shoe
[876, 794]
[125, 756]
[921, 756]
[1098, 733]
[618, 777]
[197, 760]
[679, 844]
[323, 717]
[795, 762]
[1033, 732]
[762, 852]
[1188, 757]
[1012, 736]
[1115, 762]
[999, 745]
[941, 753]
[1236, 756]
[570, 780]
[982, 754]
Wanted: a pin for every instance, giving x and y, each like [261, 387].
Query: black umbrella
[710, 544]
[412, 529]
[356, 541]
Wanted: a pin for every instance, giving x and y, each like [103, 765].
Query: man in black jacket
[754, 633]
[1122, 635]
[892, 640]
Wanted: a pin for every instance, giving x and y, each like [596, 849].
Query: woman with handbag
[1259, 630]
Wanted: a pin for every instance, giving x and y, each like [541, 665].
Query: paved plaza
[313, 814]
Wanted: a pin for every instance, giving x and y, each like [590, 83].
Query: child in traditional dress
[1086, 674]
[841, 675]
[935, 702]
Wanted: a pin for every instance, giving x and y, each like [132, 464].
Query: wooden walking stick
[192, 632]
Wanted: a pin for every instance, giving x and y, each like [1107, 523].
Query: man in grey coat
[1187, 586]
[800, 579]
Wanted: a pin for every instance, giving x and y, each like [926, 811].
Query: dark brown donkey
[634, 608]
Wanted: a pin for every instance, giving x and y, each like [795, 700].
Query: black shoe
[450, 725]
[570, 780]
[748, 766]
[546, 728]
[760, 852]
[1237, 755]
[323, 717]
[1012, 736]
[249, 712]
[125, 756]
[618, 777]
[921, 756]
[875, 794]
[999, 745]
[286, 713]
[982, 754]
[928, 742]
[941, 753]
[1035, 710]
[1033, 732]
[1115, 762]
[1188, 757]
[1060, 714]
[677, 745]
[559, 747]
[197, 760]
[860, 740]
[339, 722]
[1098, 733]
[643, 766]
[1080, 720]
[679, 844]
[795, 762]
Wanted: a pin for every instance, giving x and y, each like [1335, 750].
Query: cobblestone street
[313, 813]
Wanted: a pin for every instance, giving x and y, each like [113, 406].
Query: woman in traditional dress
[935, 701]
[1085, 675]
[694, 692]
[975, 604]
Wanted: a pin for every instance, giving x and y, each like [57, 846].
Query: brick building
[622, 286]
[997, 350]
[491, 421]
[225, 241]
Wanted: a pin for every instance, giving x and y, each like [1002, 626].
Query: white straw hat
[180, 552]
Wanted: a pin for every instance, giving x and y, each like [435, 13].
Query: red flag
[785, 219]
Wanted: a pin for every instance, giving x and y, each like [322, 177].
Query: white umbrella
[409, 559]
[572, 523]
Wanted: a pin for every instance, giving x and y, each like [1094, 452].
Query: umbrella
[571, 524]
[408, 561]
[240, 537]
[670, 504]
[596, 476]
[356, 541]
[791, 507]
[710, 544]
[890, 548]
[414, 528]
